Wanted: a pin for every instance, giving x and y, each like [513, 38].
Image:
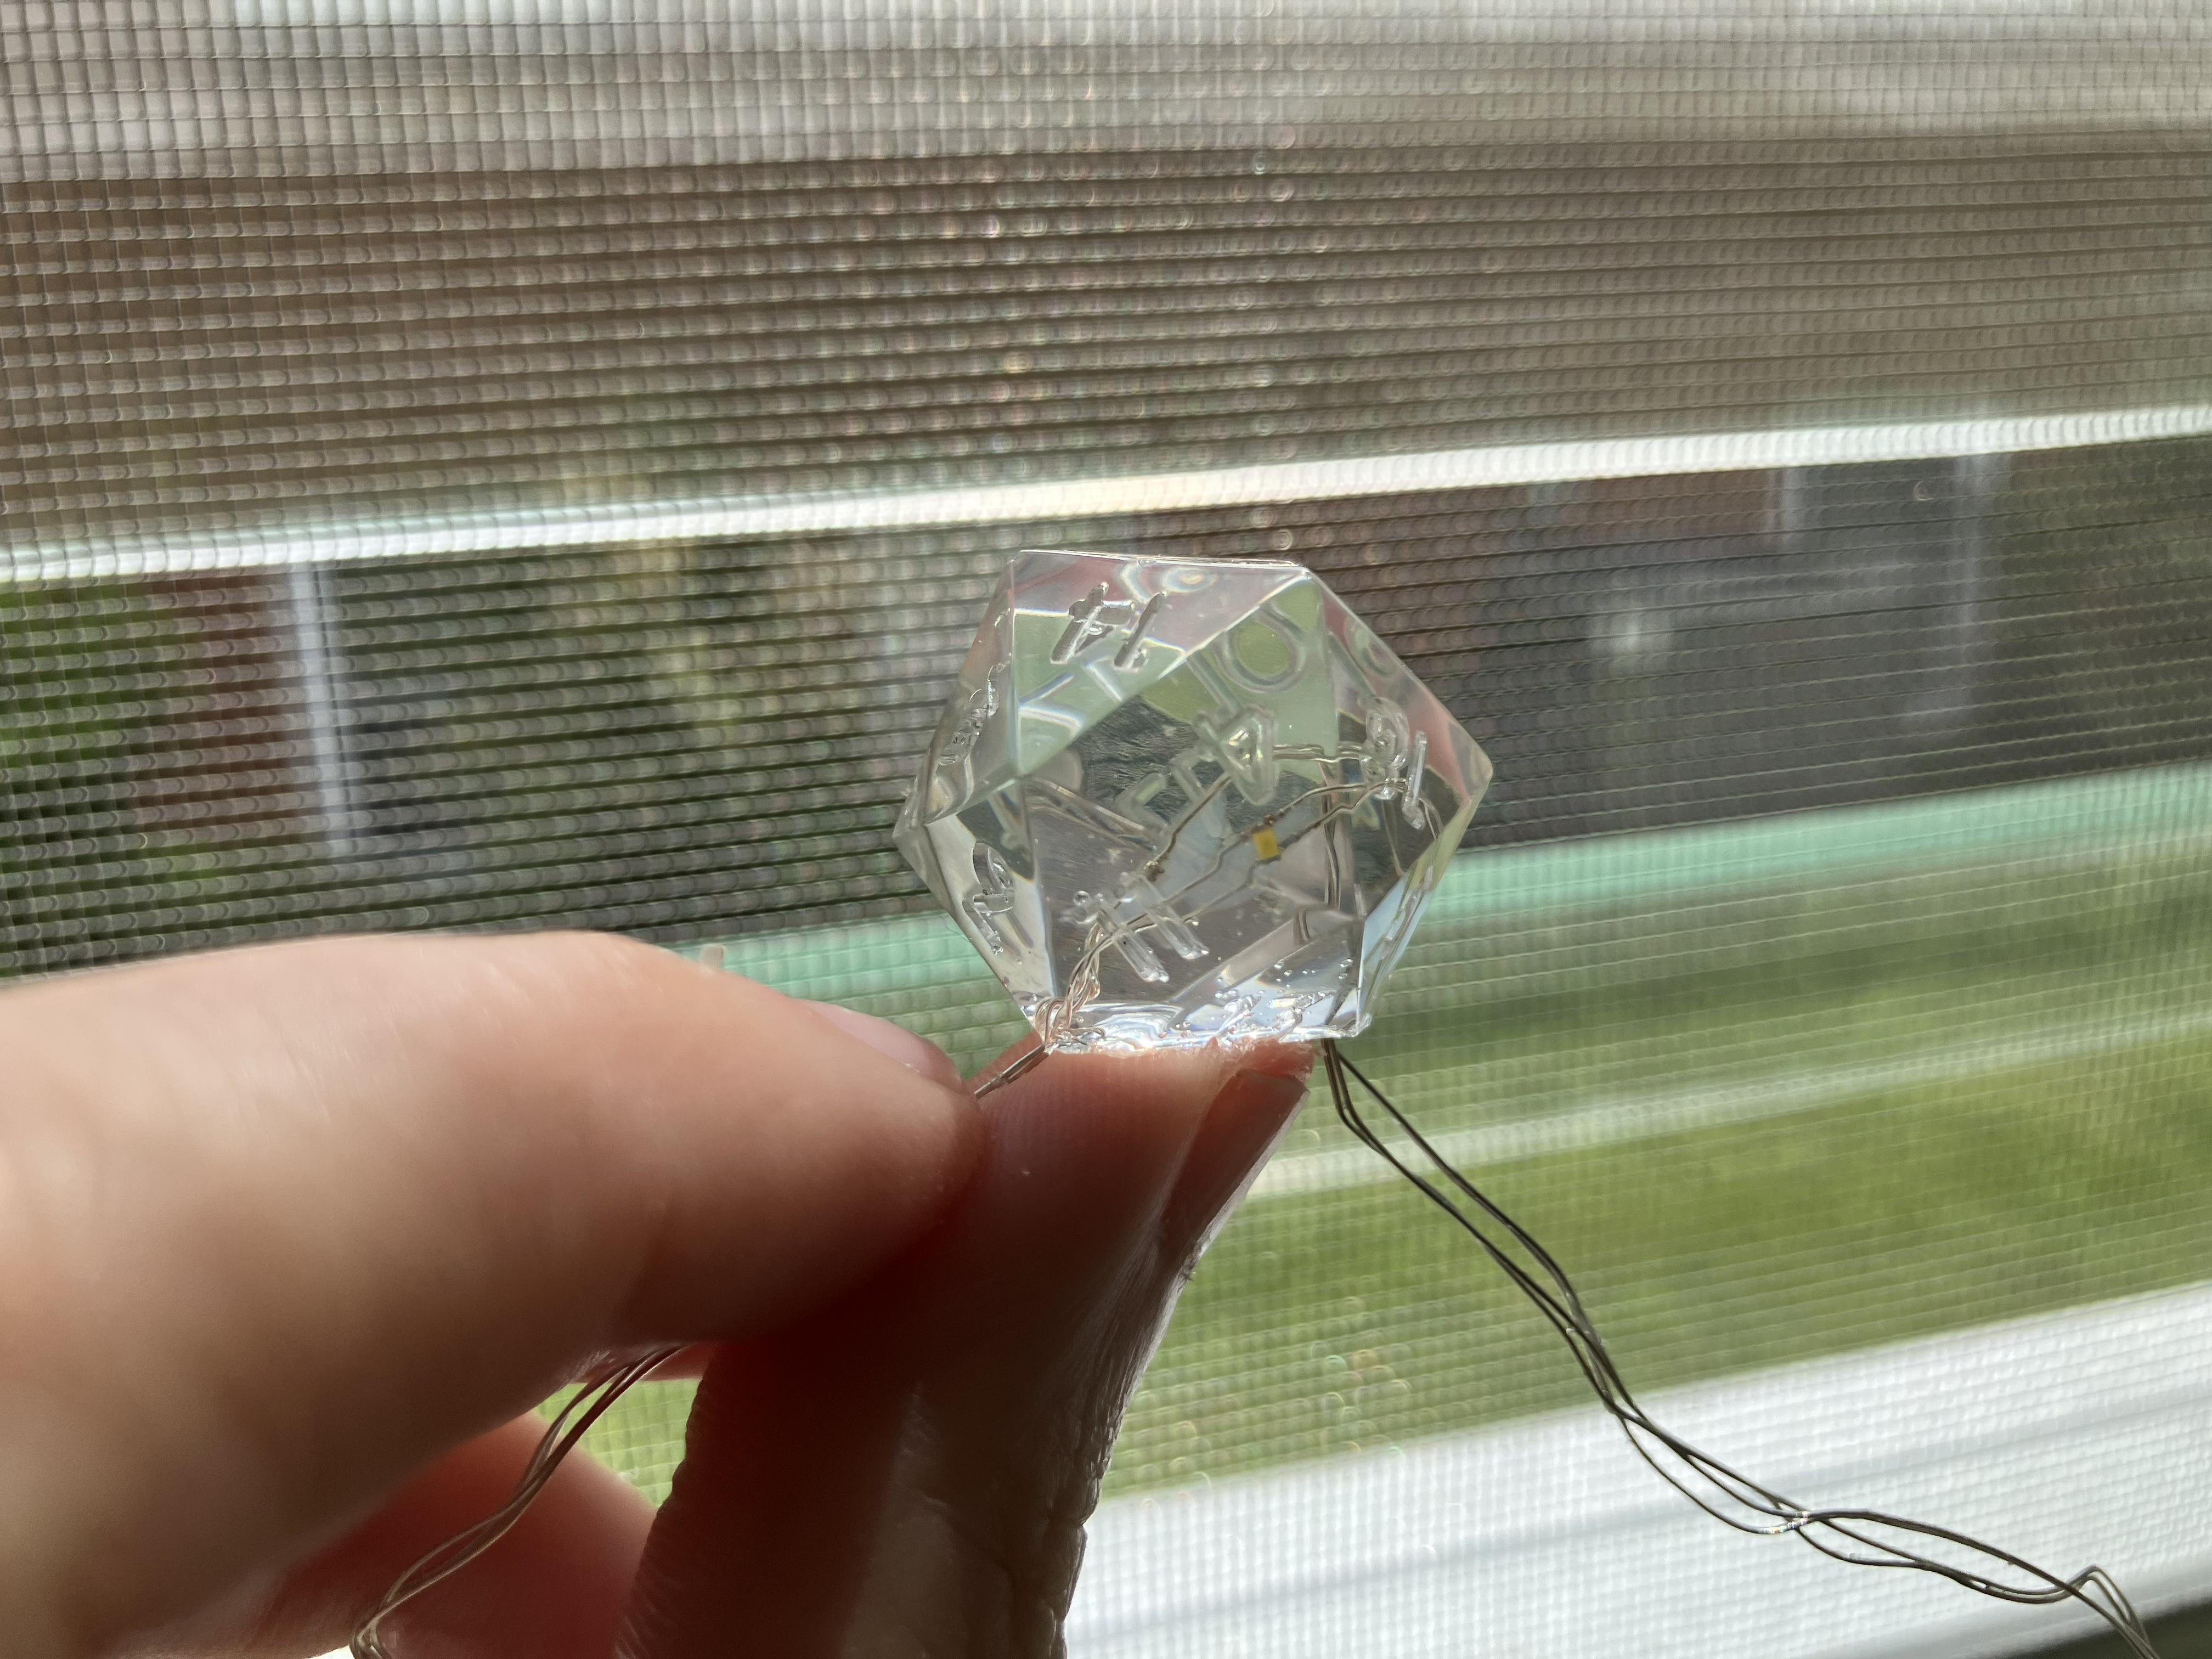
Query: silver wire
[1720, 1492]
[561, 1436]
[1020, 1065]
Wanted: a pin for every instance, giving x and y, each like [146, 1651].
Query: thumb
[906, 1473]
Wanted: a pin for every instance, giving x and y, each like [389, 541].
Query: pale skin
[292, 1237]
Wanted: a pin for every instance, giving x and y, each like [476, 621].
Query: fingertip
[917, 1054]
[940, 1436]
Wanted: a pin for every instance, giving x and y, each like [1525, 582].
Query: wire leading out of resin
[1850, 1536]
[562, 1435]
[598, 1391]
[1399, 779]
[1055, 1019]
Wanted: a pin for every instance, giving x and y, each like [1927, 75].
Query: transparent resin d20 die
[1173, 800]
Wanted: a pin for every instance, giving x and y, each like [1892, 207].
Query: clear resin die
[1173, 800]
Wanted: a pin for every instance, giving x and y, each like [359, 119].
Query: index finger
[278, 1227]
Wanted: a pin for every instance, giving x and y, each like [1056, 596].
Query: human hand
[290, 1237]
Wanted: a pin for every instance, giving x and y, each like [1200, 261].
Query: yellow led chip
[1265, 844]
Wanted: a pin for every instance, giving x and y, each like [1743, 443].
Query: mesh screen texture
[506, 464]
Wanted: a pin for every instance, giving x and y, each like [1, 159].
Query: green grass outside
[1339, 1320]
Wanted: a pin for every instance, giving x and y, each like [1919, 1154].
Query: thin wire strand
[1729, 1496]
[561, 1436]
[1020, 1066]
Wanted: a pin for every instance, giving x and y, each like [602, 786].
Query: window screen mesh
[514, 464]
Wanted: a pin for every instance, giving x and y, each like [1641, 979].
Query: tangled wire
[1853, 1535]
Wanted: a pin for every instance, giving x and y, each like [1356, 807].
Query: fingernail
[916, 1053]
[1268, 1089]
[1267, 1058]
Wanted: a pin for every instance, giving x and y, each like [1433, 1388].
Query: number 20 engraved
[1095, 616]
